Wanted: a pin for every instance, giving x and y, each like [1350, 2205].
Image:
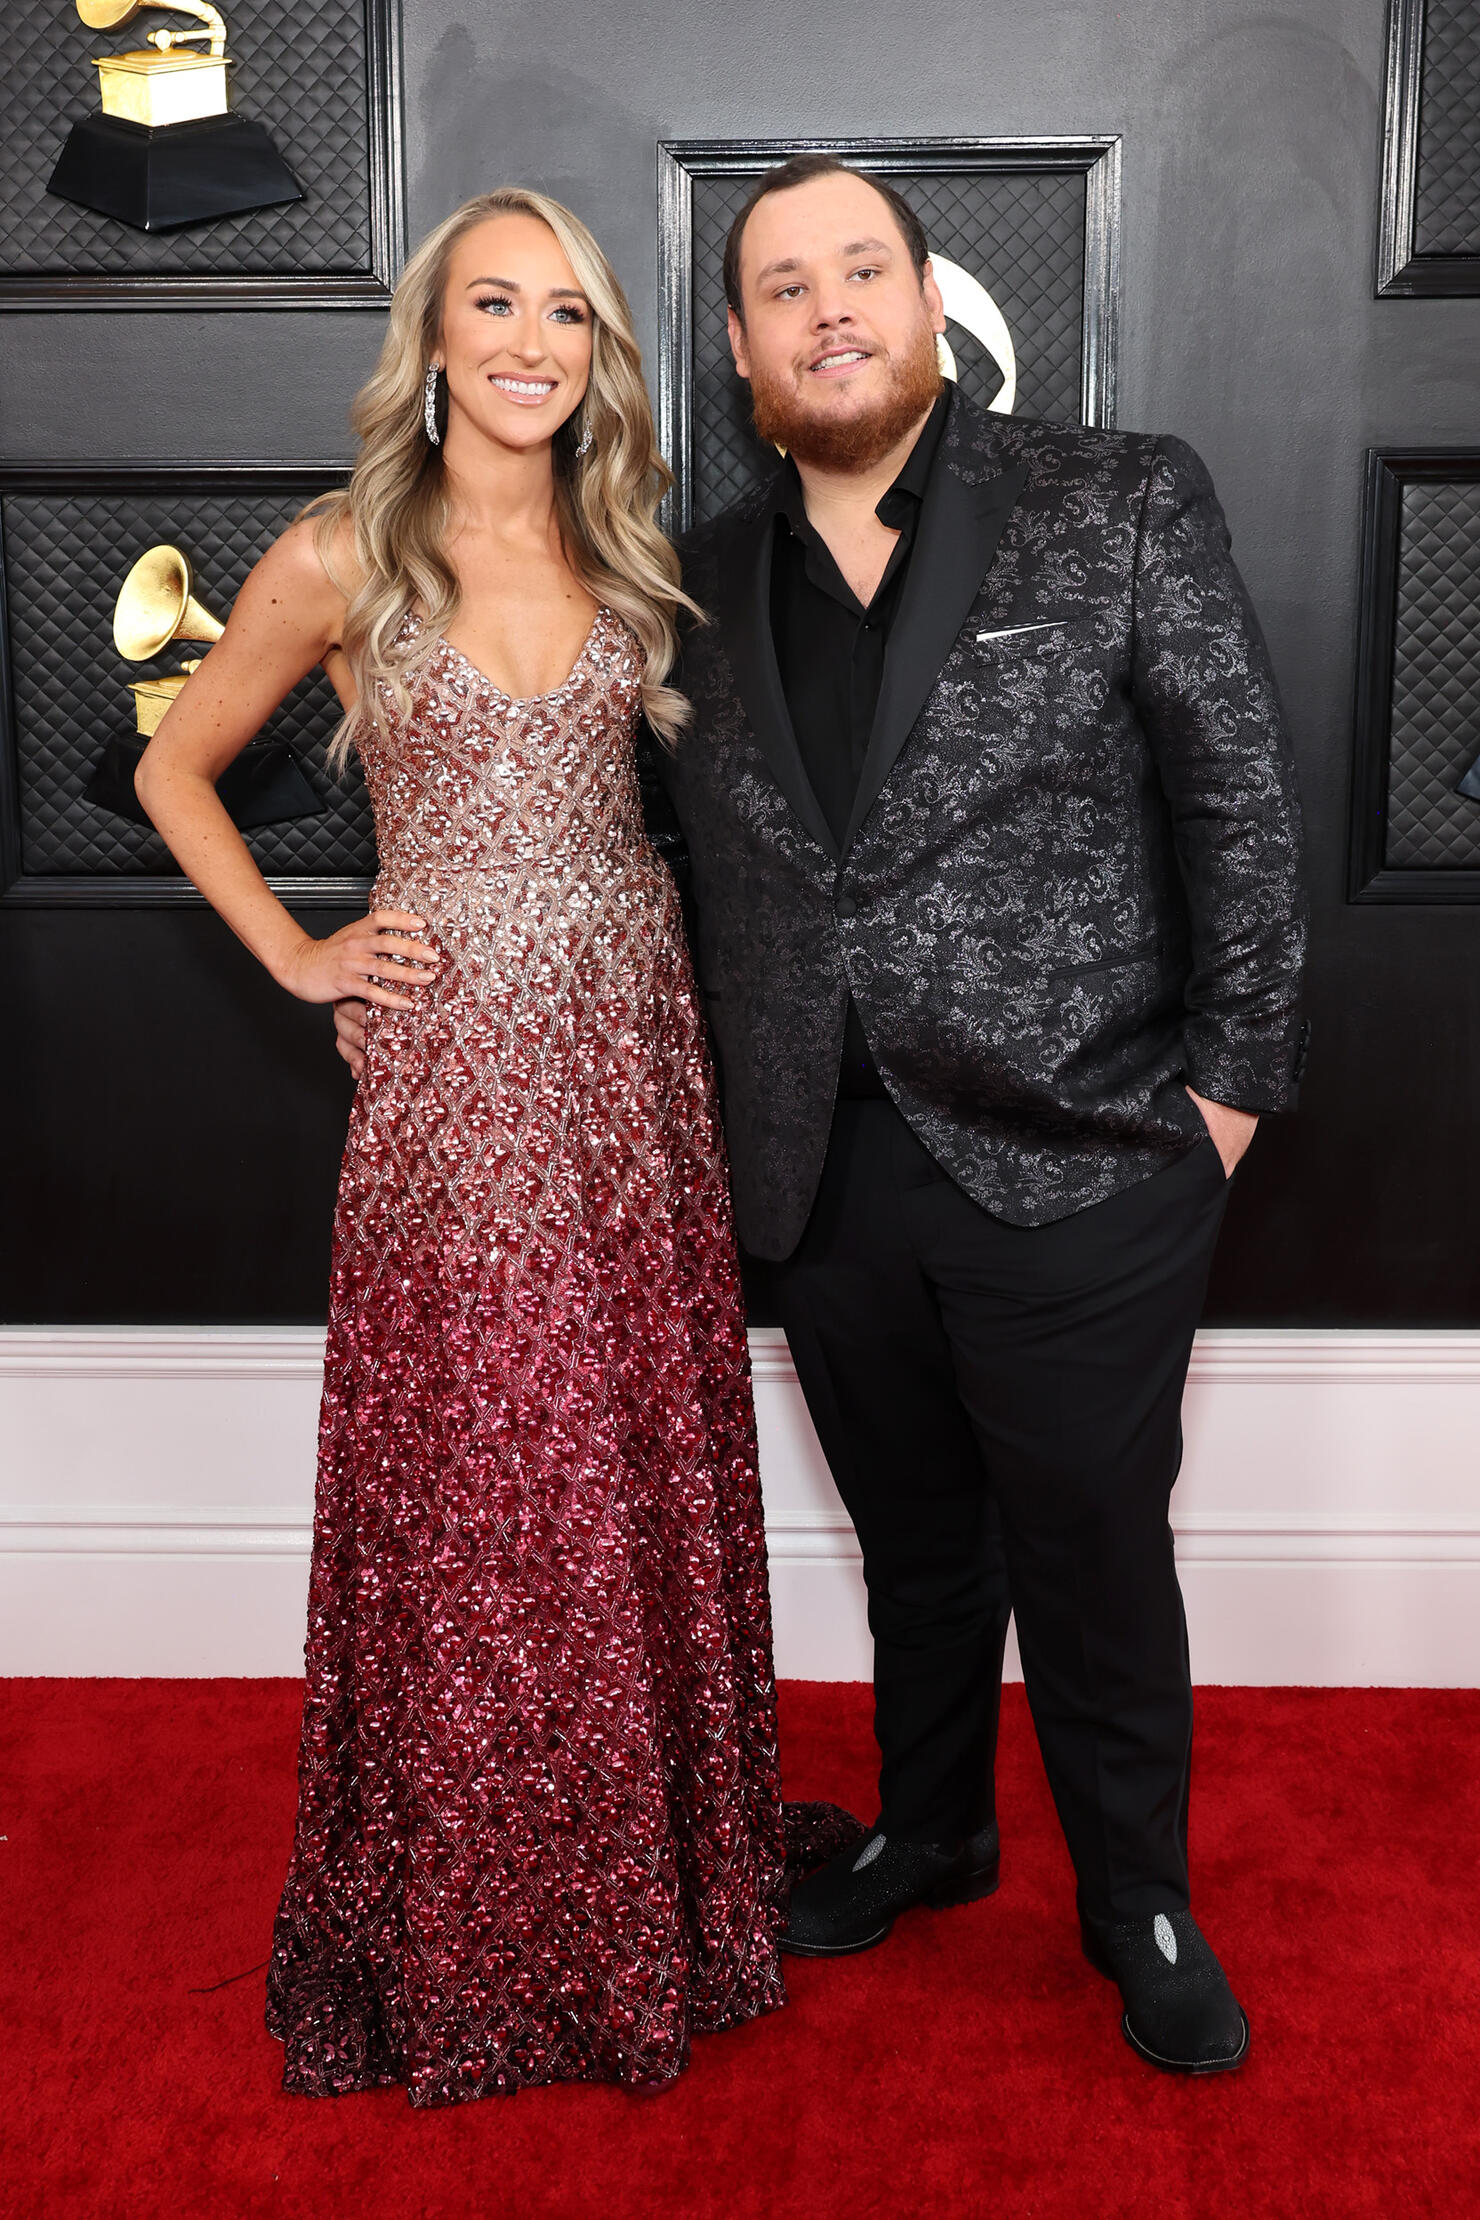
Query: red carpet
[971, 2066]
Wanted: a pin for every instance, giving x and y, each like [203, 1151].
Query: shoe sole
[1154, 2058]
[1183, 2066]
[945, 1897]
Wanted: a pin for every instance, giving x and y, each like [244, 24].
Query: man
[990, 830]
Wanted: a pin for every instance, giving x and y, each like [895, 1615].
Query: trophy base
[264, 786]
[175, 173]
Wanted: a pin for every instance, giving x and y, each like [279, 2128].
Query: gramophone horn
[106, 15]
[155, 606]
[111, 15]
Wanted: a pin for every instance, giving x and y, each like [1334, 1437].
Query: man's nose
[830, 308]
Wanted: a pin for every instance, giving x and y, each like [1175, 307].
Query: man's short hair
[800, 170]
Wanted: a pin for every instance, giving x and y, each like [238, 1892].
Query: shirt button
[846, 906]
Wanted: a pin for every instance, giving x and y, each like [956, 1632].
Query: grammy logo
[156, 605]
[166, 149]
[968, 303]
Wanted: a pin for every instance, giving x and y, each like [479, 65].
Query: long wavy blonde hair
[398, 505]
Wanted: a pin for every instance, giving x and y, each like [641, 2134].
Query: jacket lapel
[744, 609]
[959, 529]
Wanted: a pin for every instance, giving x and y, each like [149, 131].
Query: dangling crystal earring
[429, 403]
[584, 443]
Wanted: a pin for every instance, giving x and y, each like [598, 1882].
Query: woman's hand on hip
[376, 959]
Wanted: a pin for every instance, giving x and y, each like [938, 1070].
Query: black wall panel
[171, 1123]
[320, 76]
[68, 538]
[1037, 225]
[1416, 770]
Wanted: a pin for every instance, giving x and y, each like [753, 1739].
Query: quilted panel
[66, 555]
[1446, 204]
[1021, 234]
[1436, 681]
[301, 72]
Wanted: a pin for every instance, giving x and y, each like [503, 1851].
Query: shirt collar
[907, 491]
[915, 476]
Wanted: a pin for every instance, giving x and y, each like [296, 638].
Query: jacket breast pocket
[1063, 669]
[1018, 639]
[1015, 656]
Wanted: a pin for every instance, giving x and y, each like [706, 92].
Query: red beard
[855, 442]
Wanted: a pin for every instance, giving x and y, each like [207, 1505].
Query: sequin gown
[539, 1833]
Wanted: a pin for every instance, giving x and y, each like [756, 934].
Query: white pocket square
[1011, 631]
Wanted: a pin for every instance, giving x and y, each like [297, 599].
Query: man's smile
[836, 361]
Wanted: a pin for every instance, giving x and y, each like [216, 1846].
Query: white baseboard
[156, 1492]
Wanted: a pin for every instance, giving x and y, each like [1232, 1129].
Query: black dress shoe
[1179, 2010]
[852, 1902]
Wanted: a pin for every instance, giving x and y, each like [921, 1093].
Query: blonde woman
[539, 1830]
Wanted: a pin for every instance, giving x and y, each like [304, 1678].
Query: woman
[539, 1830]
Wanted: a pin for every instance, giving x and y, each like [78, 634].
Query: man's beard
[854, 442]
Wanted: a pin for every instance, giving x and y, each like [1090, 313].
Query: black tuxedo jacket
[1071, 882]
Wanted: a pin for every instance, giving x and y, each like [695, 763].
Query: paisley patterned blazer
[1072, 878]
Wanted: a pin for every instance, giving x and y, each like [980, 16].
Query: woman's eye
[497, 304]
[568, 313]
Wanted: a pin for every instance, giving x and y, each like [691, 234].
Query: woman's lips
[527, 392]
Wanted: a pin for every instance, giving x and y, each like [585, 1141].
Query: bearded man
[989, 826]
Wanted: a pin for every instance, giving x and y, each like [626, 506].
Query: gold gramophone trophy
[156, 605]
[167, 149]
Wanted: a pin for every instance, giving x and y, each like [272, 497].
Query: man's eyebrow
[788, 263]
[512, 285]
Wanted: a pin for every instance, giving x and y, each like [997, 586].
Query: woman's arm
[288, 618]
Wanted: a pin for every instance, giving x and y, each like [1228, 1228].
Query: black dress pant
[1001, 1409]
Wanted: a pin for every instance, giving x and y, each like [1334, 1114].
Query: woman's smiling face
[516, 332]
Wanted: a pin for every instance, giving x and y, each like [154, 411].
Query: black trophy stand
[264, 786]
[158, 177]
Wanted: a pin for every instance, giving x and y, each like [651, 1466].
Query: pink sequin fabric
[539, 1828]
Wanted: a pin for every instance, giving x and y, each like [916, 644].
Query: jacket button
[846, 906]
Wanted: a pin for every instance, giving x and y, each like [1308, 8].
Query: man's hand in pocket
[1232, 1130]
[349, 1034]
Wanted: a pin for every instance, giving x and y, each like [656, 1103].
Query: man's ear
[737, 342]
[933, 301]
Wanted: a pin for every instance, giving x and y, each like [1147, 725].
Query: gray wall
[1251, 142]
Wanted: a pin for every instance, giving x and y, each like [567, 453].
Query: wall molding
[1368, 1356]
[161, 1352]
[242, 1530]
[156, 1505]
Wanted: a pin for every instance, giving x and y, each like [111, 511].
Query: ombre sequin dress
[539, 1831]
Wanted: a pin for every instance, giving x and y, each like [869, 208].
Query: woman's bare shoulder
[317, 552]
[309, 573]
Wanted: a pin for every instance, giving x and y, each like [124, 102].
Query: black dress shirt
[830, 650]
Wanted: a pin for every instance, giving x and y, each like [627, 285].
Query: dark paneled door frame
[1390, 471]
[1401, 270]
